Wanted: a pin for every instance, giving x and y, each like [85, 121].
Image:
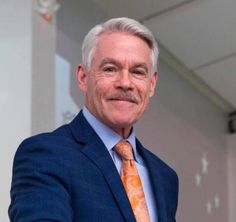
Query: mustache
[126, 96]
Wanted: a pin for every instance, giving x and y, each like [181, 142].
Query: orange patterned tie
[132, 182]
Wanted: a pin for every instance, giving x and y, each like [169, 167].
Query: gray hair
[118, 25]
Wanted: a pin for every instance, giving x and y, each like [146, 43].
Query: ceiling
[200, 33]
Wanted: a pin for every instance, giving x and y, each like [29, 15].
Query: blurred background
[191, 121]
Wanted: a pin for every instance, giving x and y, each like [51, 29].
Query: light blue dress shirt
[110, 138]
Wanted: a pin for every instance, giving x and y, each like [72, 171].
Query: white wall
[43, 69]
[15, 87]
[26, 89]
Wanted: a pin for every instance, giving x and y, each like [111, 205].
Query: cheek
[98, 90]
[93, 86]
[104, 85]
[145, 95]
[145, 92]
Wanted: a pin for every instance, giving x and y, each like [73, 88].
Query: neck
[124, 132]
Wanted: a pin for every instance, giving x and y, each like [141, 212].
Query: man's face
[120, 83]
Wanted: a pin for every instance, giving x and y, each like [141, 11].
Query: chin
[123, 122]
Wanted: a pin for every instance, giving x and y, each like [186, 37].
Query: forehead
[122, 46]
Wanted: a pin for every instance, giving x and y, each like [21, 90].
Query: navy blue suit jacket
[68, 175]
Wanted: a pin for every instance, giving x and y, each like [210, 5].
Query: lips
[122, 100]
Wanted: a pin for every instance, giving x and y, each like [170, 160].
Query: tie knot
[124, 149]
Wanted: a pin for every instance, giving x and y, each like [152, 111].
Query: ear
[154, 80]
[82, 77]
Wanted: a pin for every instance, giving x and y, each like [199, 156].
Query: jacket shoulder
[53, 142]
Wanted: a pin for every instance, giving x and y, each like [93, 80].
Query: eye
[109, 69]
[139, 72]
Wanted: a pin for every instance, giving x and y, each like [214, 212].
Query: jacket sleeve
[40, 185]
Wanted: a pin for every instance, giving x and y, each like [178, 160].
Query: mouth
[123, 100]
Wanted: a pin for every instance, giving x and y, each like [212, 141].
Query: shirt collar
[108, 136]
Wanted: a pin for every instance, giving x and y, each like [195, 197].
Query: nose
[124, 80]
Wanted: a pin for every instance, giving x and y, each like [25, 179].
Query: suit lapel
[156, 180]
[95, 151]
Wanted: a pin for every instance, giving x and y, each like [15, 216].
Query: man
[94, 169]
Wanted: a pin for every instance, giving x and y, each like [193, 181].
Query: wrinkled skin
[119, 83]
